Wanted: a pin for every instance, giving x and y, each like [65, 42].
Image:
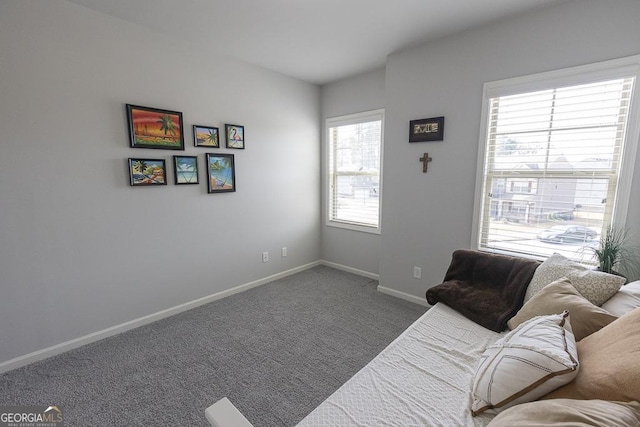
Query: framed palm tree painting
[221, 173]
[206, 136]
[147, 172]
[185, 169]
[155, 128]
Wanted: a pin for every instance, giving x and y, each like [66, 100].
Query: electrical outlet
[284, 252]
[265, 256]
[417, 272]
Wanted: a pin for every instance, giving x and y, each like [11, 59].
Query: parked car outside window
[567, 234]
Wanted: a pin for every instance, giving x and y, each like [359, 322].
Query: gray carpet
[276, 351]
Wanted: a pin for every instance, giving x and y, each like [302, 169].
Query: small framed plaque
[426, 129]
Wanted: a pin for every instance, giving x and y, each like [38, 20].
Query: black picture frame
[147, 172]
[234, 136]
[155, 128]
[221, 172]
[423, 130]
[206, 136]
[185, 170]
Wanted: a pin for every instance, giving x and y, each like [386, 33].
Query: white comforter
[423, 378]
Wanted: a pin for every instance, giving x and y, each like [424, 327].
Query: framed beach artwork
[155, 128]
[206, 136]
[146, 172]
[185, 170]
[235, 136]
[221, 173]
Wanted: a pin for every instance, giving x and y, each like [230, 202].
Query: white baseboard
[350, 270]
[141, 321]
[384, 290]
[45, 353]
[403, 295]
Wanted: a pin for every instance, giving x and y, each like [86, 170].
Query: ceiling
[318, 41]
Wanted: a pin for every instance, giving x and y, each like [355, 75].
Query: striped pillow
[535, 358]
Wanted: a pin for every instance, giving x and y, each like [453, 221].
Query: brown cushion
[609, 363]
[558, 296]
[570, 413]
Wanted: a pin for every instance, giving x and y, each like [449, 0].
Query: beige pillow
[533, 359]
[559, 296]
[569, 412]
[625, 300]
[609, 363]
[595, 286]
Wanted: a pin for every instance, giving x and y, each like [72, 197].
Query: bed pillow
[595, 286]
[537, 357]
[559, 296]
[548, 413]
[625, 300]
[609, 363]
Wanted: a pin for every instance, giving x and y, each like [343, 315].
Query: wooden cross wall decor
[425, 159]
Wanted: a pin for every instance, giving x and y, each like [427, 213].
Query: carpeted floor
[276, 351]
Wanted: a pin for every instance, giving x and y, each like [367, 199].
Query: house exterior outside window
[354, 170]
[556, 150]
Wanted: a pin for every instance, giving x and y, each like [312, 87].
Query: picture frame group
[221, 172]
[158, 128]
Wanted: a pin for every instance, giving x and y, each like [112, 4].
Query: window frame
[345, 120]
[591, 73]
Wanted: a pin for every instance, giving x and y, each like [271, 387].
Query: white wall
[427, 216]
[80, 250]
[356, 94]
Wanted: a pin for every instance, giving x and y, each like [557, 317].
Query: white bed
[423, 378]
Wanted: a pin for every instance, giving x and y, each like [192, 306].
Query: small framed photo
[426, 130]
[221, 173]
[185, 170]
[234, 136]
[206, 136]
[155, 128]
[145, 172]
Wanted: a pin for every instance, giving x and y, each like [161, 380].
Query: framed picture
[206, 136]
[235, 136]
[221, 173]
[426, 130]
[155, 128]
[145, 172]
[186, 169]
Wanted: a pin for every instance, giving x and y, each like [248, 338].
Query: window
[521, 185]
[556, 159]
[354, 170]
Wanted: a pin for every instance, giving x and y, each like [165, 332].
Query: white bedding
[423, 378]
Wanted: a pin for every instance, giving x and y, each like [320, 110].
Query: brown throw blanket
[486, 288]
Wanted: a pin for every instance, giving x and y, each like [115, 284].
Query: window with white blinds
[553, 175]
[354, 170]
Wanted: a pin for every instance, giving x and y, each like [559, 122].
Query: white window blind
[552, 167]
[354, 170]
